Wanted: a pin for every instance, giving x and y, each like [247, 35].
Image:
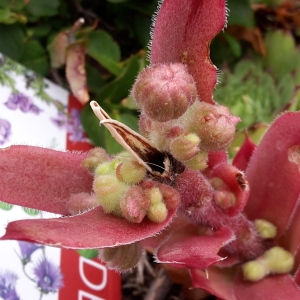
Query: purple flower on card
[75, 127]
[27, 250]
[22, 102]
[5, 131]
[72, 124]
[48, 276]
[7, 285]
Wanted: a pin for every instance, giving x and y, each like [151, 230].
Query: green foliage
[88, 253]
[105, 51]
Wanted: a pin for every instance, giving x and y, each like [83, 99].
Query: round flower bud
[134, 204]
[265, 229]
[157, 212]
[199, 162]
[121, 258]
[109, 191]
[184, 148]
[95, 157]
[130, 172]
[279, 260]
[164, 91]
[254, 270]
[214, 125]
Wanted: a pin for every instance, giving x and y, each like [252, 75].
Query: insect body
[162, 166]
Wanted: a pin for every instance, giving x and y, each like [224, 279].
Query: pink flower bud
[121, 258]
[95, 157]
[164, 91]
[134, 204]
[214, 125]
[170, 195]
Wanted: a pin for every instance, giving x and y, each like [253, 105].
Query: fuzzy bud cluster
[121, 187]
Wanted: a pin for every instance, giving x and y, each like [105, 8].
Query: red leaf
[243, 156]
[186, 248]
[276, 287]
[93, 229]
[42, 178]
[273, 173]
[182, 32]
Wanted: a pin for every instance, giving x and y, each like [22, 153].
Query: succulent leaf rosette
[173, 190]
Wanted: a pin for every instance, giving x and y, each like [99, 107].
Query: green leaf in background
[31, 211]
[119, 88]
[12, 40]
[35, 57]
[43, 8]
[105, 50]
[88, 253]
[240, 13]
[234, 44]
[279, 45]
[5, 206]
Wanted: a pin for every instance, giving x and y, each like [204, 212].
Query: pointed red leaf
[243, 156]
[273, 173]
[42, 178]
[182, 32]
[186, 248]
[93, 229]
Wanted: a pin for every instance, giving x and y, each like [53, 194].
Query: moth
[161, 166]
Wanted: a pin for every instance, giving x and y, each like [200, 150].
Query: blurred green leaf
[88, 253]
[43, 8]
[119, 88]
[234, 45]
[105, 50]
[35, 57]
[280, 44]
[12, 40]
[240, 13]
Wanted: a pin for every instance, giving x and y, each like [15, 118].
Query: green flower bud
[279, 260]
[254, 270]
[185, 147]
[130, 172]
[157, 212]
[199, 162]
[109, 191]
[266, 229]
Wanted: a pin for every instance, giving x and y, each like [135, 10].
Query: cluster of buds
[122, 187]
[174, 118]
